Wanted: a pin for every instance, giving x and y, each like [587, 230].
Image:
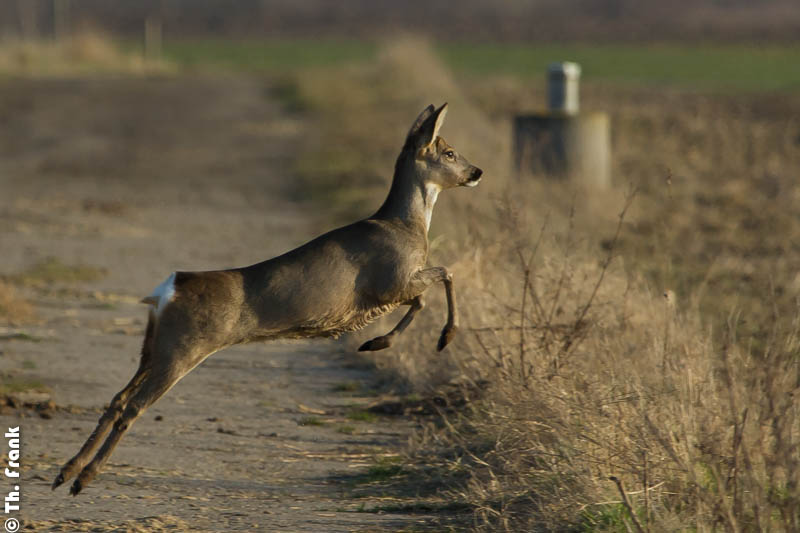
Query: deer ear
[429, 130]
[412, 133]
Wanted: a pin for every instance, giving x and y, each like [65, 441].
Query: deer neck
[411, 199]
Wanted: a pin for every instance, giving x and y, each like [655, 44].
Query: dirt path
[119, 183]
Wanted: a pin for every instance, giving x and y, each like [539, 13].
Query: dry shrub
[13, 308]
[592, 373]
[592, 377]
[86, 52]
[88, 47]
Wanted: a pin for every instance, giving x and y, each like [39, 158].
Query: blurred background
[472, 20]
[645, 328]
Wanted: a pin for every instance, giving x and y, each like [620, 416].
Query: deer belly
[363, 318]
[335, 324]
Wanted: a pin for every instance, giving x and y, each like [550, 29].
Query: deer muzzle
[474, 177]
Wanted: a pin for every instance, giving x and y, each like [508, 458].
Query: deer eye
[450, 154]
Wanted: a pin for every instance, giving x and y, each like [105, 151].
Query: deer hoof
[76, 487]
[448, 333]
[378, 343]
[58, 481]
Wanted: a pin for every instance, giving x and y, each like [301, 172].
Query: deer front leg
[384, 341]
[418, 284]
[421, 281]
[450, 328]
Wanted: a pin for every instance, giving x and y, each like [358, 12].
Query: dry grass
[81, 54]
[620, 335]
[13, 308]
[52, 270]
[586, 386]
[719, 206]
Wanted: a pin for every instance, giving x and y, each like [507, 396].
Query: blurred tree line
[473, 20]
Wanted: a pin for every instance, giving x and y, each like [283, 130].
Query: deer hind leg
[154, 387]
[173, 353]
[110, 415]
[384, 341]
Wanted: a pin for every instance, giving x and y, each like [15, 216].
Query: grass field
[695, 66]
[705, 67]
[266, 56]
[731, 67]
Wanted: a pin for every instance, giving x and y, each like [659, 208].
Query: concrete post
[563, 143]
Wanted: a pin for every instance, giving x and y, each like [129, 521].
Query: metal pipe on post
[563, 143]
[563, 80]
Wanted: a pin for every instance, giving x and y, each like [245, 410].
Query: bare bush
[612, 406]
[602, 380]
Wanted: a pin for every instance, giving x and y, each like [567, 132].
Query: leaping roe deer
[336, 283]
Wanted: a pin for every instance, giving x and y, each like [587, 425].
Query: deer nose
[474, 177]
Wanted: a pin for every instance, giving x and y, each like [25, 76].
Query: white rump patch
[162, 294]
